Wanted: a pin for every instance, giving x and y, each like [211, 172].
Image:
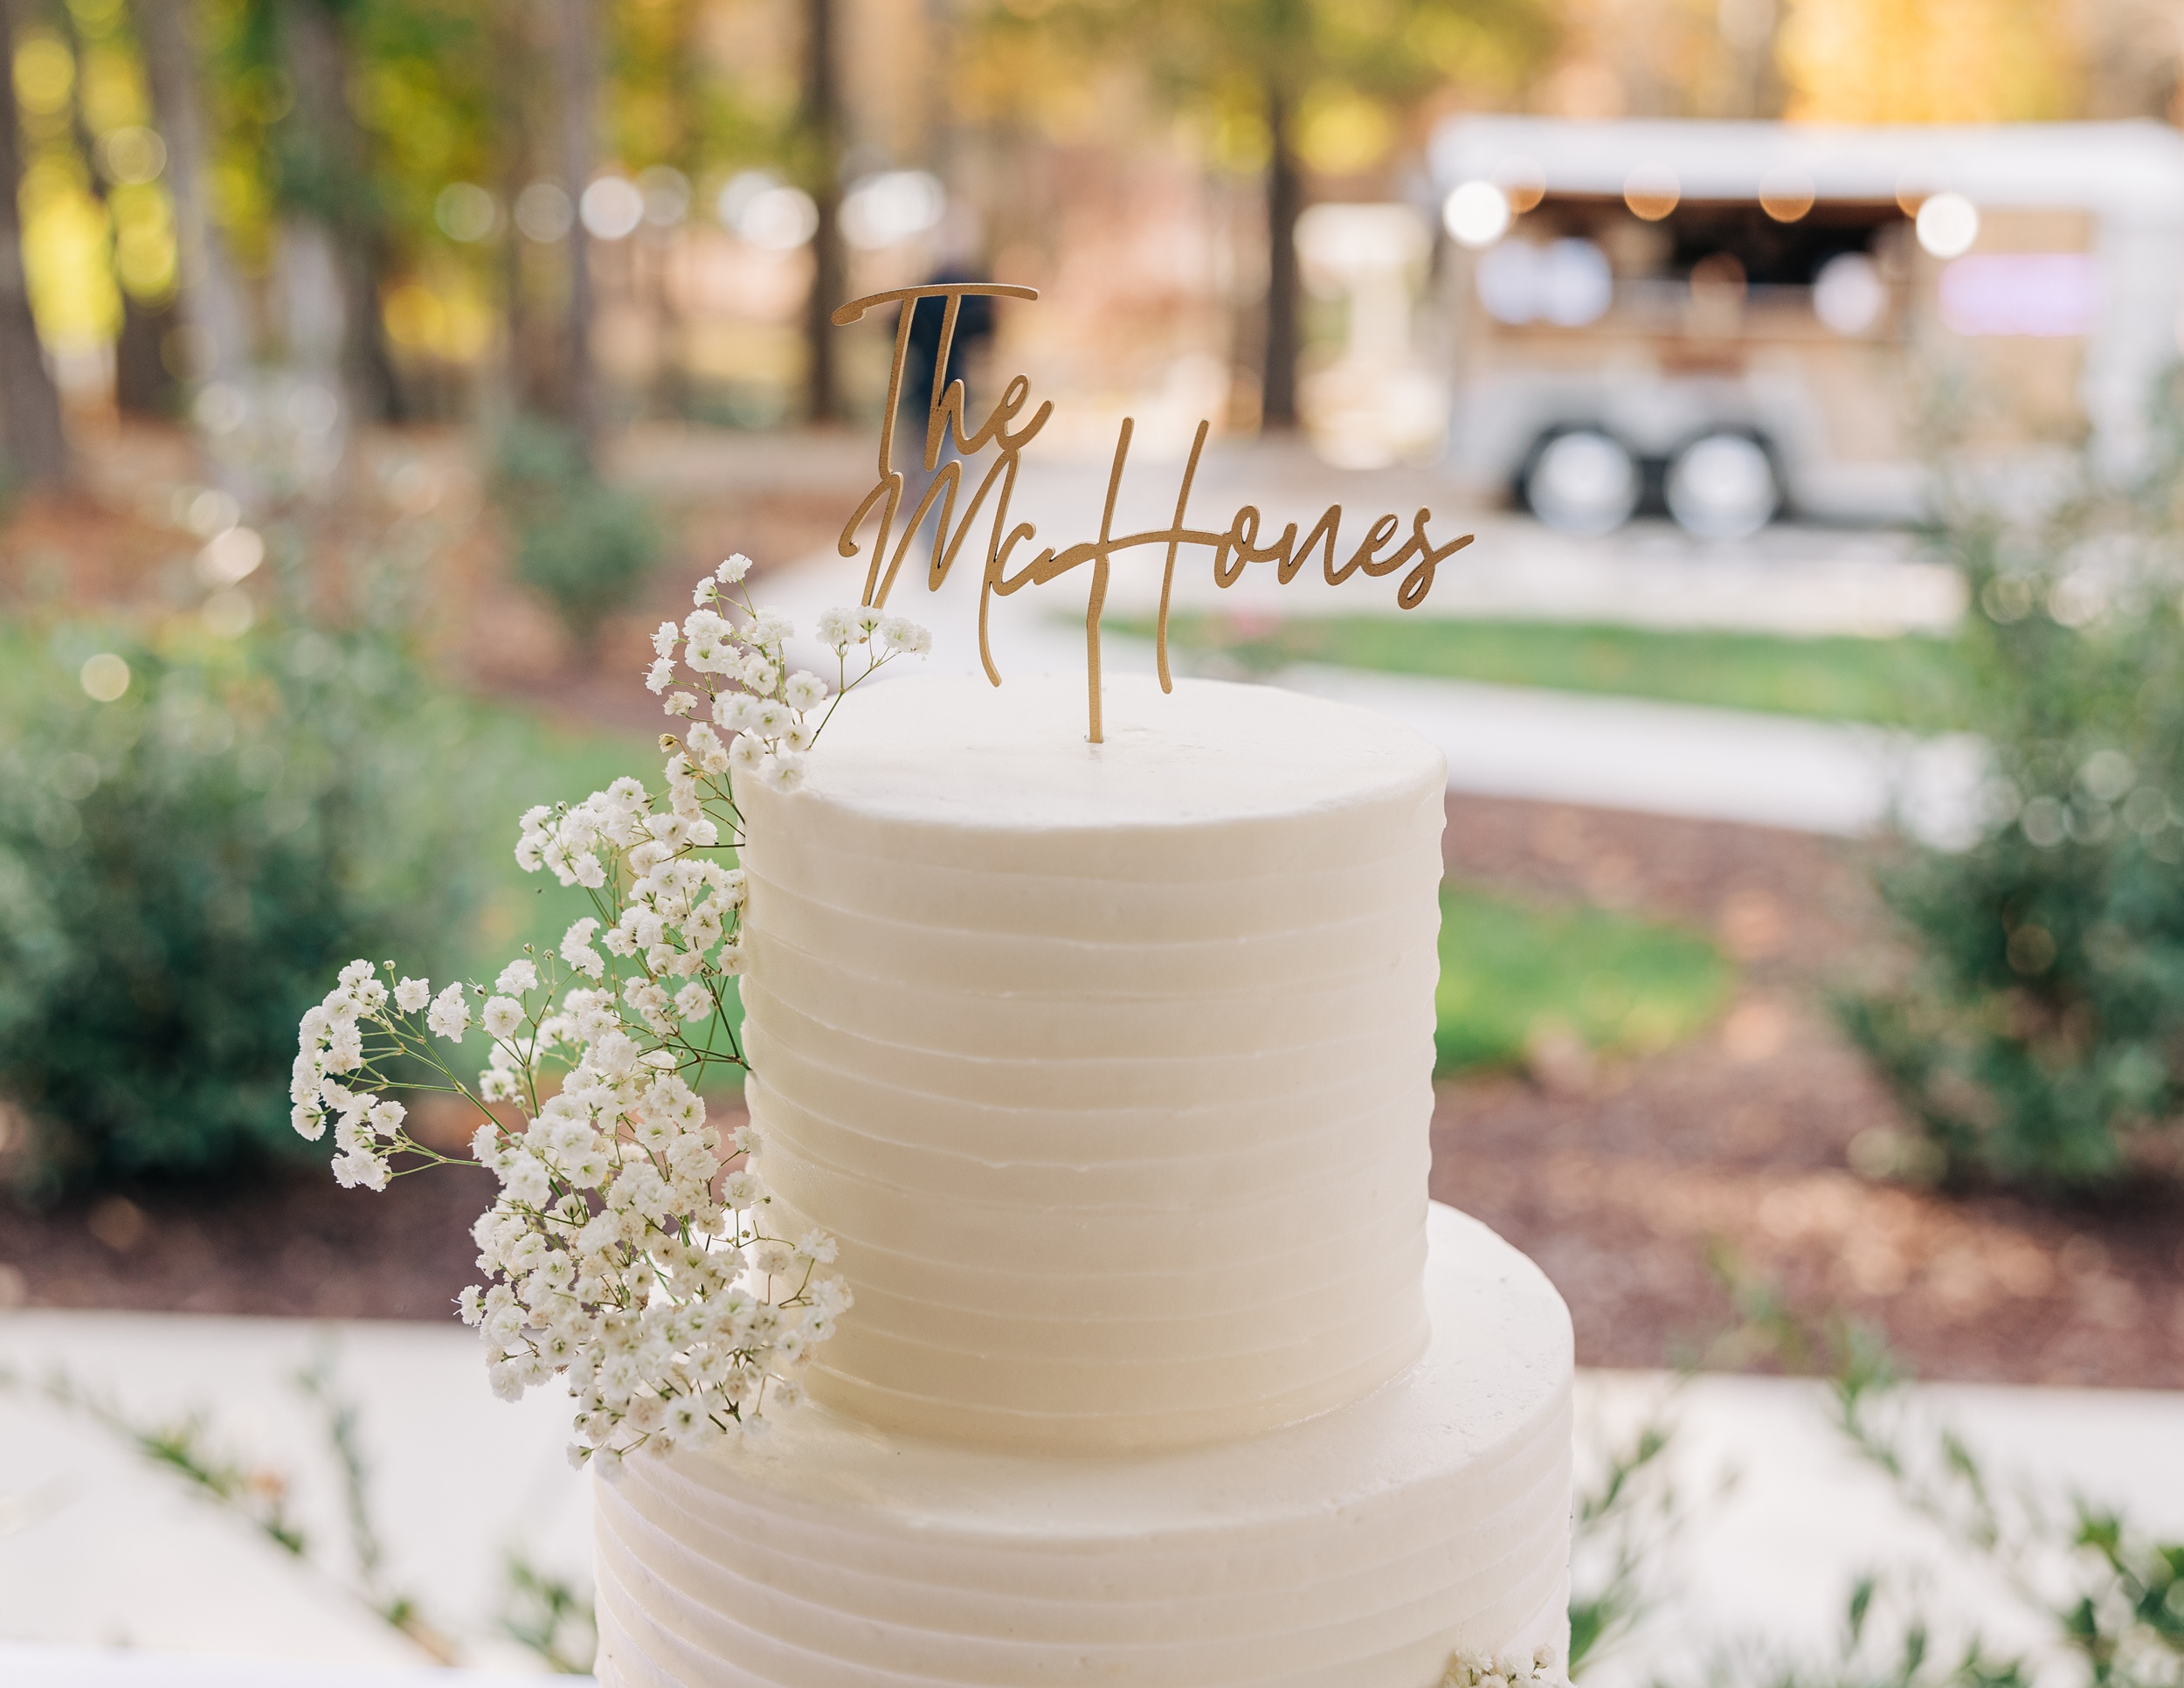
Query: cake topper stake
[945, 424]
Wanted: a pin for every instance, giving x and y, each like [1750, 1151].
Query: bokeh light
[544, 213]
[612, 207]
[892, 207]
[1786, 193]
[1848, 294]
[466, 211]
[1477, 214]
[1947, 225]
[1652, 191]
[103, 677]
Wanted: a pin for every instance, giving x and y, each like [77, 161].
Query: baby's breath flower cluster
[1540, 1668]
[628, 1248]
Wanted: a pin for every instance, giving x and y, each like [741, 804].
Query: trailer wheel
[1723, 485]
[1584, 483]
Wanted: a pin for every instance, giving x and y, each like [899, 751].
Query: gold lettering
[1378, 534]
[1234, 548]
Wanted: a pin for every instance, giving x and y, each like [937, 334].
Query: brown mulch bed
[1623, 1181]
[289, 1242]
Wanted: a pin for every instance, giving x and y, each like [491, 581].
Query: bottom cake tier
[1358, 1549]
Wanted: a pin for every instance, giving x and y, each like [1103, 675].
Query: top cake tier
[1108, 1064]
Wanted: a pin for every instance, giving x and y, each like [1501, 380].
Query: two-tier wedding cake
[1109, 1065]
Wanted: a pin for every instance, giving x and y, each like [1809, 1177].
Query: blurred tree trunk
[1285, 202]
[334, 192]
[514, 78]
[830, 270]
[30, 404]
[142, 385]
[578, 46]
[207, 297]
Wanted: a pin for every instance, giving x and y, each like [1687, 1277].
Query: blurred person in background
[959, 241]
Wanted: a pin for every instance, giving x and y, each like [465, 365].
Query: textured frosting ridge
[1357, 1549]
[1108, 1065]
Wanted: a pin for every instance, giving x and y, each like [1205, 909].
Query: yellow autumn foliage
[1928, 61]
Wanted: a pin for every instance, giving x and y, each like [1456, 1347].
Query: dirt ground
[1623, 1182]
[1623, 1179]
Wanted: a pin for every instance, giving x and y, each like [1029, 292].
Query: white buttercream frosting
[1108, 1065]
[1358, 1549]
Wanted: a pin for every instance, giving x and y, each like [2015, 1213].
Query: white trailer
[1734, 320]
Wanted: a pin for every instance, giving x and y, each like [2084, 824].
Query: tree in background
[30, 404]
[822, 118]
[1276, 71]
[331, 204]
[207, 298]
[1945, 61]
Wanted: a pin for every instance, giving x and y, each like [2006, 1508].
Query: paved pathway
[99, 1550]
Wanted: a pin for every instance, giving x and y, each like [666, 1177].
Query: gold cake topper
[1235, 547]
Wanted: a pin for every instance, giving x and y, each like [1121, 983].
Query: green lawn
[1903, 681]
[534, 761]
[1623, 983]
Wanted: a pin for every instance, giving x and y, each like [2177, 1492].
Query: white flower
[616, 1254]
[905, 636]
[771, 628]
[732, 571]
[359, 1168]
[450, 1016]
[759, 675]
[660, 673]
[838, 628]
[705, 744]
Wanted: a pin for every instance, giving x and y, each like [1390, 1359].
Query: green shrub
[584, 545]
[2037, 1036]
[182, 868]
